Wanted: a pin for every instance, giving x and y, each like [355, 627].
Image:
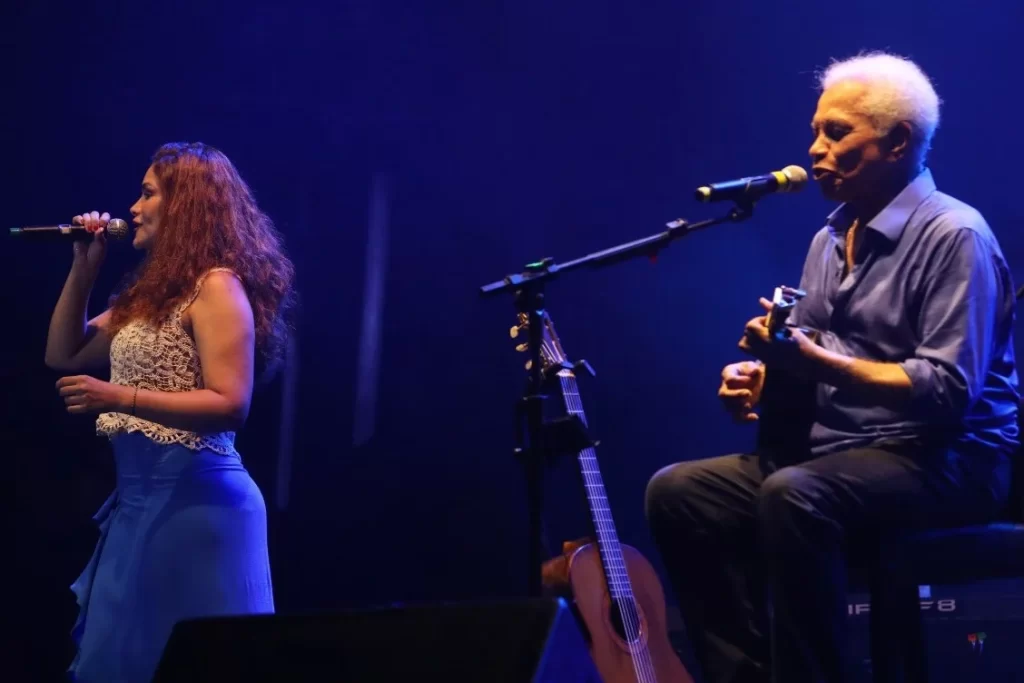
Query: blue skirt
[184, 535]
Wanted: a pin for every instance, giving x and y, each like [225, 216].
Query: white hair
[898, 90]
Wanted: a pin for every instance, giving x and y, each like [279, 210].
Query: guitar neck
[600, 512]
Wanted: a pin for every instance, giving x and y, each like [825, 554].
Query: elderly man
[916, 409]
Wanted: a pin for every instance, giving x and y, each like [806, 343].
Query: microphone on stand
[116, 229]
[747, 190]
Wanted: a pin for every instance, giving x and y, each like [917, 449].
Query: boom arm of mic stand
[547, 269]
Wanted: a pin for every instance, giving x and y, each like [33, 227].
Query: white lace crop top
[160, 358]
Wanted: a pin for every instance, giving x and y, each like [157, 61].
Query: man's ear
[900, 139]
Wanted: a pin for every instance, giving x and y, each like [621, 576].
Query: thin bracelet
[134, 397]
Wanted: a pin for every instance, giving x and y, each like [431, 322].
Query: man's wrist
[829, 367]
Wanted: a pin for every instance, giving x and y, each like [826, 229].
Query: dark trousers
[742, 540]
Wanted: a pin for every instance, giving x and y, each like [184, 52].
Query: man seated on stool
[916, 410]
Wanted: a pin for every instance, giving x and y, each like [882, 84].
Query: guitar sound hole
[625, 619]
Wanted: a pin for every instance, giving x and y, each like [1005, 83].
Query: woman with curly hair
[185, 532]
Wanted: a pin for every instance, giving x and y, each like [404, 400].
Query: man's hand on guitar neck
[795, 355]
[740, 390]
[886, 383]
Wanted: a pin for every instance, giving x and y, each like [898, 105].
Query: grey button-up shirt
[932, 292]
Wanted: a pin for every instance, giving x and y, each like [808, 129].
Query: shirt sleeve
[960, 301]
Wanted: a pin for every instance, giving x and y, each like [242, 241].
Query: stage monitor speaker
[535, 641]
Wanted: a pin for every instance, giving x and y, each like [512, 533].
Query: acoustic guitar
[787, 405]
[613, 587]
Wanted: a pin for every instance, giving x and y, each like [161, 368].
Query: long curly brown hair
[210, 219]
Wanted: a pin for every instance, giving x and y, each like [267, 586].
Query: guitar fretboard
[600, 513]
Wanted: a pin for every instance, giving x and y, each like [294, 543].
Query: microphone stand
[527, 289]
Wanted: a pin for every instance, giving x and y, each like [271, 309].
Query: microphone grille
[117, 229]
[797, 178]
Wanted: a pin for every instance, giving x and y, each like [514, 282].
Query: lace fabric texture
[160, 357]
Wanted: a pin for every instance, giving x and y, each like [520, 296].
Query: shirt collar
[891, 220]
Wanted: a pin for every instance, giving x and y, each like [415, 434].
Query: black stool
[941, 556]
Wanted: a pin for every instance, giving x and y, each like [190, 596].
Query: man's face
[850, 158]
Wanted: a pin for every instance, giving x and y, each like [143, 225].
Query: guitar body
[609, 650]
[785, 417]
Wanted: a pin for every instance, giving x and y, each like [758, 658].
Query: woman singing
[185, 532]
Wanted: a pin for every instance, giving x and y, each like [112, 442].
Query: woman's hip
[150, 472]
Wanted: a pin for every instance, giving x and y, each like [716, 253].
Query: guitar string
[614, 561]
[625, 600]
[643, 666]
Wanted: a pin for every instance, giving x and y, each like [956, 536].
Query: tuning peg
[514, 332]
[582, 364]
[529, 365]
[522, 347]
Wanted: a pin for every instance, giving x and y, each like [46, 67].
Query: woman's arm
[74, 343]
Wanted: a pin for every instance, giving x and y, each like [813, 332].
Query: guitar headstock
[552, 355]
[551, 352]
[783, 301]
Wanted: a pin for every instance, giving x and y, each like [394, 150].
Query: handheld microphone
[789, 179]
[116, 229]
